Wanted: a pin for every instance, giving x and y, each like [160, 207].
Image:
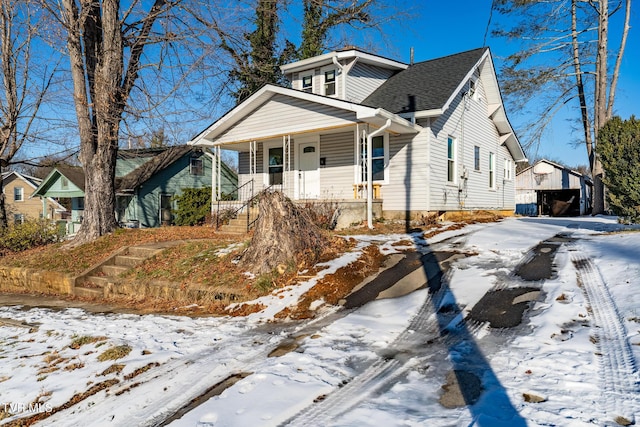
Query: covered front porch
[312, 148]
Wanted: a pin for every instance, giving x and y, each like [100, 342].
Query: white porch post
[286, 162]
[252, 159]
[219, 173]
[370, 172]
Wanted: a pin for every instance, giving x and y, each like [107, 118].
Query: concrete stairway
[238, 225]
[91, 283]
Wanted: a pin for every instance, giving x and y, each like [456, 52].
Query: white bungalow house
[377, 136]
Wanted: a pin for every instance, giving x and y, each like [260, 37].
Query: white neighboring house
[545, 188]
[436, 132]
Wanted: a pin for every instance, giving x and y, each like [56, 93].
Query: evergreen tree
[619, 150]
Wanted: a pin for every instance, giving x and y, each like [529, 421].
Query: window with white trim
[18, 194]
[451, 160]
[508, 169]
[476, 158]
[379, 156]
[330, 82]
[492, 170]
[18, 218]
[307, 83]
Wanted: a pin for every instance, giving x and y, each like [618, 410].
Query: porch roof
[376, 117]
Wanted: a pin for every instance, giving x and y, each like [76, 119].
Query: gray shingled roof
[159, 160]
[425, 85]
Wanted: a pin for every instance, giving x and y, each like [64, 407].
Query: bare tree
[255, 55]
[564, 60]
[118, 59]
[25, 83]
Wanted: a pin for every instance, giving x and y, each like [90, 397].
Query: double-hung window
[492, 170]
[508, 169]
[378, 158]
[196, 166]
[330, 82]
[476, 158]
[307, 83]
[451, 159]
[18, 194]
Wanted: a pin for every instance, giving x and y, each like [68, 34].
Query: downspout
[343, 74]
[370, 172]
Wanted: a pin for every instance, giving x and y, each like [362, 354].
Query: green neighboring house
[146, 182]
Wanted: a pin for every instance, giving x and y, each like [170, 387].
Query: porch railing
[234, 203]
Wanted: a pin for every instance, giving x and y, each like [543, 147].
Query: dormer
[348, 74]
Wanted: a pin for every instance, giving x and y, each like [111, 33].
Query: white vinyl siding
[363, 79]
[283, 115]
[336, 175]
[471, 127]
[408, 185]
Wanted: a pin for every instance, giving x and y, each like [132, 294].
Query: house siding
[29, 208]
[170, 181]
[337, 176]
[318, 80]
[363, 79]
[283, 115]
[407, 189]
[466, 120]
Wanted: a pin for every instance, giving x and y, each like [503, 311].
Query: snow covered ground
[572, 362]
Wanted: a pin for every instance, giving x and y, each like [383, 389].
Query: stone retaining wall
[15, 279]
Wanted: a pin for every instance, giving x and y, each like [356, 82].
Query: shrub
[618, 150]
[194, 205]
[323, 214]
[32, 233]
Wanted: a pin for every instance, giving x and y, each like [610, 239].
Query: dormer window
[307, 83]
[330, 82]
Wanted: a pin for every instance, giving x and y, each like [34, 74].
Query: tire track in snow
[616, 364]
[422, 329]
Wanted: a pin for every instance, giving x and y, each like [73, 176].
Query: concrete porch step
[234, 229]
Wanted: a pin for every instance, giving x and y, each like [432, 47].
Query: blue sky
[444, 27]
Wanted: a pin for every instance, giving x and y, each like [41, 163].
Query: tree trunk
[4, 222]
[284, 234]
[100, 200]
[600, 108]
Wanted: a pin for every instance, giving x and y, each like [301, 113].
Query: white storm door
[308, 170]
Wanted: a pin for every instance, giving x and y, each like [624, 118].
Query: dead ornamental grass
[114, 353]
[85, 339]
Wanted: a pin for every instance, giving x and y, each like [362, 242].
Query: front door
[308, 172]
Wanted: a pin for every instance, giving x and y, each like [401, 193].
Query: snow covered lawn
[573, 361]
